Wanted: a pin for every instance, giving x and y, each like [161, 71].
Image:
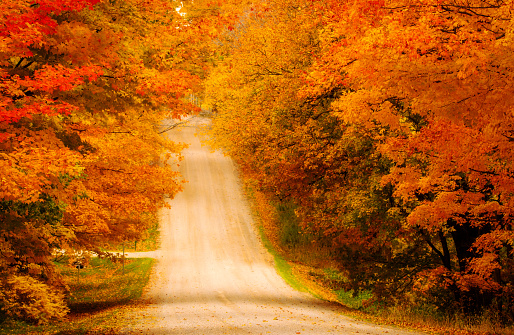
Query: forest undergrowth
[310, 267]
[99, 294]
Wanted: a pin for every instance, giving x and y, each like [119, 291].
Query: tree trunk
[464, 235]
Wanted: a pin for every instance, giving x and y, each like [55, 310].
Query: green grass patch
[104, 284]
[348, 299]
[283, 267]
[336, 280]
[99, 294]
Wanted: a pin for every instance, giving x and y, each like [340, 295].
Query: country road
[213, 276]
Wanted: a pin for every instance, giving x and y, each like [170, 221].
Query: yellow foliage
[27, 298]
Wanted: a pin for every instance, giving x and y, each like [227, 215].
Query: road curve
[213, 276]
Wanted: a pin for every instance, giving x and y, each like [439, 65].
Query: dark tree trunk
[464, 235]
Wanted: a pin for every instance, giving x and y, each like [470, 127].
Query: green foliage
[46, 209]
[291, 234]
[337, 281]
[31, 289]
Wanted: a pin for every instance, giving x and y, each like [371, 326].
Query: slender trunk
[123, 258]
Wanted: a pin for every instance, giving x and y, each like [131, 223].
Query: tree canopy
[84, 88]
[390, 125]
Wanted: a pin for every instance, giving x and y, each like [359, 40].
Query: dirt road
[213, 275]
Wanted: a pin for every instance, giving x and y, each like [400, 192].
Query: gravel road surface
[213, 276]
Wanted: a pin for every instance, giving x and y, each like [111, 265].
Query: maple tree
[433, 75]
[84, 88]
[389, 124]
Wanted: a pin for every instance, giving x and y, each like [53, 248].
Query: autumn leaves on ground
[377, 134]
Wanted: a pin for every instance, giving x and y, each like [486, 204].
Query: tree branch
[432, 246]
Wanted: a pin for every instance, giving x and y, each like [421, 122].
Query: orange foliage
[84, 87]
[390, 118]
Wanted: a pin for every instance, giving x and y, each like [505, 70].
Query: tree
[390, 124]
[434, 74]
[84, 87]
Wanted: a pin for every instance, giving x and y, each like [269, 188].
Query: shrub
[27, 298]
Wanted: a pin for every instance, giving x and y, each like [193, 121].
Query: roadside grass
[328, 283]
[105, 284]
[100, 294]
[309, 268]
[284, 268]
[421, 316]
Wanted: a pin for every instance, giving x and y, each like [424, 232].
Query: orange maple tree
[84, 88]
[434, 76]
[390, 125]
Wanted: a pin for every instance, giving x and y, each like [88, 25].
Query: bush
[28, 299]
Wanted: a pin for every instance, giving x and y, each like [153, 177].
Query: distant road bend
[213, 276]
